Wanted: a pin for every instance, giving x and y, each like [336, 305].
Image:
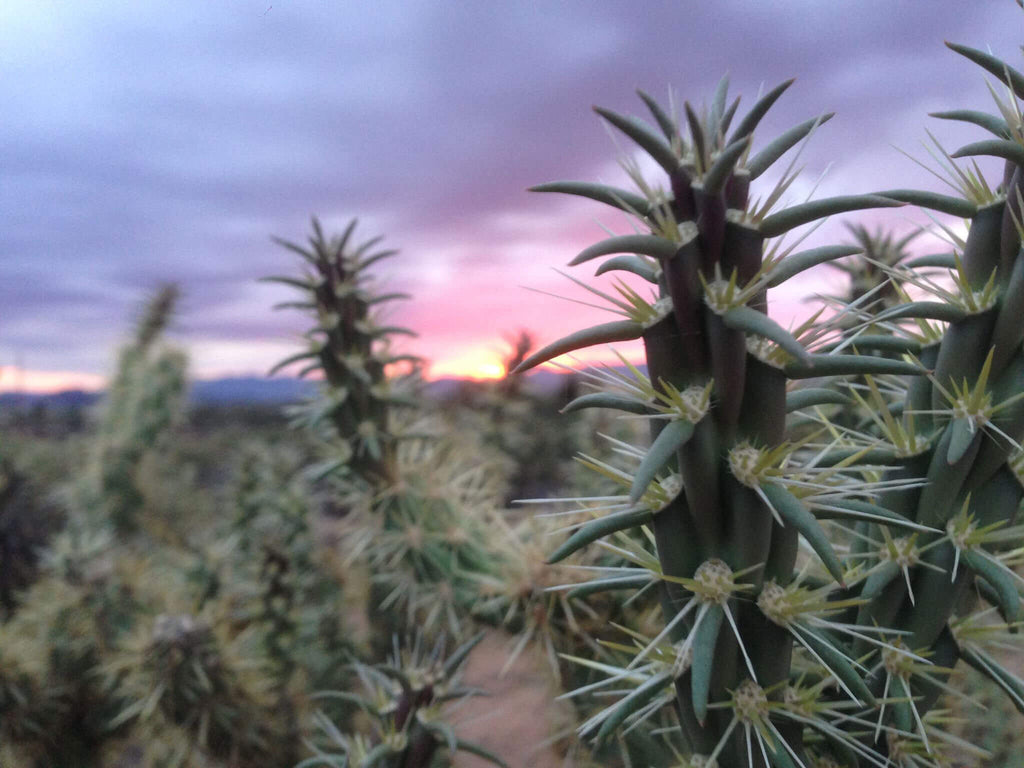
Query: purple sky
[151, 141]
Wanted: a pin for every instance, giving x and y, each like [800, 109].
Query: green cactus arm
[1004, 148]
[750, 121]
[309, 354]
[757, 323]
[649, 245]
[637, 699]
[939, 260]
[1001, 579]
[375, 257]
[923, 310]
[302, 285]
[607, 400]
[647, 139]
[991, 123]
[881, 577]
[714, 180]
[593, 530]
[628, 263]
[850, 365]
[624, 200]
[962, 434]
[954, 206]
[999, 68]
[764, 159]
[782, 270]
[781, 222]
[376, 755]
[704, 640]
[877, 344]
[481, 752]
[793, 512]
[311, 257]
[811, 396]
[620, 330]
[673, 437]
[661, 117]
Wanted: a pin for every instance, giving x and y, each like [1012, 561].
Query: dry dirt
[520, 720]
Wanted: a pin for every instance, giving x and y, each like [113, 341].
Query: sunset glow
[478, 363]
[47, 382]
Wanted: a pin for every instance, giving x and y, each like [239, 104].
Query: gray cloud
[157, 141]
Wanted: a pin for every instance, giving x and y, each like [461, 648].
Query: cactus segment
[714, 180]
[633, 264]
[624, 200]
[607, 400]
[954, 206]
[854, 509]
[1000, 69]
[793, 265]
[793, 512]
[806, 398]
[991, 123]
[850, 365]
[672, 438]
[593, 530]
[937, 260]
[783, 221]
[661, 117]
[649, 245]
[619, 330]
[924, 310]
[764, 159]
[962, 434]
[1004, 148]
[751, 321]
[705, 636]
[649, 141]
[1009, 331]
[750, 121]
[999, 578]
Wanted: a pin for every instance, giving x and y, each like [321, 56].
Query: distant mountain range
[254, 390]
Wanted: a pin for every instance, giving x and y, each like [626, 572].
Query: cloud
[148, 142]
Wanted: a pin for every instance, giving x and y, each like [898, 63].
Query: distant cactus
[144, 399]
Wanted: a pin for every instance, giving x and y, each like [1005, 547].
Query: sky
[148, 142]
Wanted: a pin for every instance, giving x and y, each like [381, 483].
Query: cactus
[780, 647]
[144, 400]
[405, 700]
[350, 347]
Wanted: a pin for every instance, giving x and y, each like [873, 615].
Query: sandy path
[520, 714]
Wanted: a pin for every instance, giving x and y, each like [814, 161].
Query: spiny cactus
[759, 649]
[144, 399]
[405, 700]
[349, 346]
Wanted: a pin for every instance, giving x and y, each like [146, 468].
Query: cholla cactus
[144, 399]
[405, 700]
[349, 346]
[188, 678]
[758, 651]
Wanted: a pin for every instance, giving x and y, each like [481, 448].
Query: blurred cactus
[144, 399]
[27, 521]
[349, 346]
[759, 652]
[405, 700]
